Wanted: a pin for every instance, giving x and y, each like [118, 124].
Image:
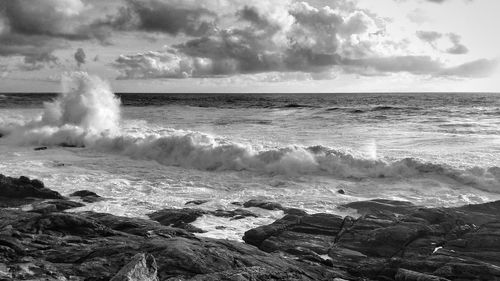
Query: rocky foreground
[390, 241]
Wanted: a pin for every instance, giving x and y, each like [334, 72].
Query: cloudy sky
[253, 45]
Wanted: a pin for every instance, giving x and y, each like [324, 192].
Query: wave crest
[87, 114]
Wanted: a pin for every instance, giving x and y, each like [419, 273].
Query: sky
[246, 46]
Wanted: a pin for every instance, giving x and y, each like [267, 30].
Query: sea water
[145, 152]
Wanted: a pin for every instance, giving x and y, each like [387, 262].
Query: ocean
[144, 152]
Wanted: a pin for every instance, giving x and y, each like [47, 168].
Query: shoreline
[391, 240]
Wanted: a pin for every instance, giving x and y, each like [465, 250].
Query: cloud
[80, 57]
[429, 36]
[434, 39]
[70, 19]
[266, 38]
[421, 65]
[458, 48]
[171, 17]
[476, 69]
[34, 49]
[394, 64]
[35, 29]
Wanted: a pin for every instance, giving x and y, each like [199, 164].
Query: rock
[340, 191]
[313, 232]
[87, 196]
[24, 187]
[408, 275]
[142, 268]
[418, 244]
[51, 206]
[263, 205]
[382, 206]
[176, 217]
[4, 270]
[197, 202]
[69, 224]
[40, 148]
[234, 214]
[182, 218]
[84, 193]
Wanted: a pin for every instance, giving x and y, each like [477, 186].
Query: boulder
[142, 267]
[23, 187]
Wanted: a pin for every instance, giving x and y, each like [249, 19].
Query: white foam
[87, 114]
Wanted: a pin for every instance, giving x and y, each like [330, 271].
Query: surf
[87, 114]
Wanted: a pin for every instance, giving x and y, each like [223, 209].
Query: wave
[87, 114]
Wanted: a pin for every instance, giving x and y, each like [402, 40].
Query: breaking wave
[87, 114]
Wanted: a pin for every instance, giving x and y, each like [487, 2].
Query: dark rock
[51, 206]
[62, 205]
[176, 217]
[408, 275]
[24, 187]
[182, 218]
[294, 211]
[87, 196]
[78, 246]
[142, 267]
[418, 244]
[40, 148]
[197, 202]
[263, 205]
[84, 193]
[234, 214]
[382, 206]
[340, 191]
[69, 224]
[272, 206]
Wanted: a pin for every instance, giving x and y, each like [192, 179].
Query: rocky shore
[391, 240]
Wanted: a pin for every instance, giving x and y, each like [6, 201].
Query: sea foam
[87, 114]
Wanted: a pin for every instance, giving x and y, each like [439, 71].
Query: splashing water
[85, 111]
[87, 114]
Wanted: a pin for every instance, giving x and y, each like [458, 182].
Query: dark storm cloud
[33, 48]
[303, 39]
[52, 18]
[224, 37]
[171, 17]
[35, 29]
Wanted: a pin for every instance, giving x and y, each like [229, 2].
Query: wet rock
[234, 214]
[142, 267]
[272, 206]
[23, 187]
[263, 204]
[196, 202]
[51, 206]
[408, 275]
[182, 218]
[394, 241]
[382, 206]
[176, 217]
[314, 232]
[87, 196]
[84, 193]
